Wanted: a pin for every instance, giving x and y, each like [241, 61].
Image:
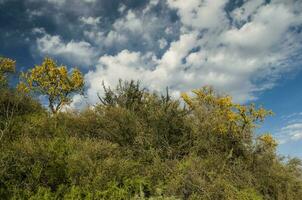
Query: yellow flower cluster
[268, 140]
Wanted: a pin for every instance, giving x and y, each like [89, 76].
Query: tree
[129, 95]
[219, 118]
[53, 81]
[6, 66]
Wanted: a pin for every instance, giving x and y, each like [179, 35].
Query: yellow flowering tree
[53, 81]
[228, 116]
[228, 125]
[6, 66]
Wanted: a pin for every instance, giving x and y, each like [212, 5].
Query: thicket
[135, 144]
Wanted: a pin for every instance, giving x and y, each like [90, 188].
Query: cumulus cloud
[77, 52]
[265, 28]
[125, 65]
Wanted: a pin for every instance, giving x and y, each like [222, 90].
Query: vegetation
[136, 145]
[6, 66]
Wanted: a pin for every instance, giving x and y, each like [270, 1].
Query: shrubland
[135, 144]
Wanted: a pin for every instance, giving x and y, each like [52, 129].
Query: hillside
[135, 144]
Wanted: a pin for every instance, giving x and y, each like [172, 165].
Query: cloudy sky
[250, 49]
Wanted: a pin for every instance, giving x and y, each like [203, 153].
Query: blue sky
[250, 49]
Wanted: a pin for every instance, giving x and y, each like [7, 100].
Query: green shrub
[139, 145]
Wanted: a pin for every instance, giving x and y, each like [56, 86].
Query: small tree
[53, 81]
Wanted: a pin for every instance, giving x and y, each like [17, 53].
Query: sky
[250, 49]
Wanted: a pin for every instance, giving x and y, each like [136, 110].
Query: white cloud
[131, 22]
[59, 2]
[129, 27]
[125, 65]
[38, 31]
[114, 38]
[93, 21]
[79, 52]
[151, 4]
[291, 129]
[157, 73]
[249, 8]
[121, 31]
[162, 43]
[122, 8]
[130, 65]
[265, 30]
[178, 50]
[233, 59]
[206, 14]
[291, 132]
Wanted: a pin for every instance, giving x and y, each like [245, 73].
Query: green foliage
[15, 109]
[139, 145]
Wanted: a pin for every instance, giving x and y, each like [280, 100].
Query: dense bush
[138, 145]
